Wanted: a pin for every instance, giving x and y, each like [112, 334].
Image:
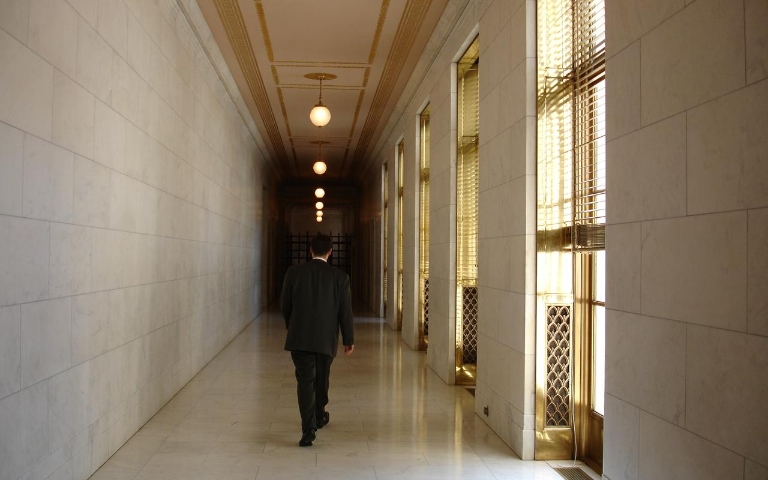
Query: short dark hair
[321, 244]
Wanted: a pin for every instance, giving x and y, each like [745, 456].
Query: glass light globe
[319, 205]
[320, 115]
[319, 167]
[319, 219]
[319, 193]
[319, 213]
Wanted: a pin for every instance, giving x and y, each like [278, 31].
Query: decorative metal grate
[296, 250]
[469, 325]
[426, 307]
[573, 473]
[558, 401]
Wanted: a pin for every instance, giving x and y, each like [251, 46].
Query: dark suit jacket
[316, 303]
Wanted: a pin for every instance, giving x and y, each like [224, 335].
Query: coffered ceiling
[371, 46]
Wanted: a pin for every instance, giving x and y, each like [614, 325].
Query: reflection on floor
[391, 418]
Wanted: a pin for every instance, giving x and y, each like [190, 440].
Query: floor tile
[391, 418]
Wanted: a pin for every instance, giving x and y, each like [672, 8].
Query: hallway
[391, 417]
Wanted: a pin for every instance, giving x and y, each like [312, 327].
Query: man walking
[316, 302]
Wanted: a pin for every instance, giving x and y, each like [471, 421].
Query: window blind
[424, 193]
[571, 101]
[467, 171]
[399, 291]
[385, 180]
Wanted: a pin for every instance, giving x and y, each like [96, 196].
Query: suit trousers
[313, 371]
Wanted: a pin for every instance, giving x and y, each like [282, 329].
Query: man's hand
[348, 349]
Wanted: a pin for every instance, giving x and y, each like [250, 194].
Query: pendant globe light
[319, 167]
[319, 219]
[320, 115]
[319, 206]
[319, 193]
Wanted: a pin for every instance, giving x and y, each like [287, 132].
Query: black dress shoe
[307, 438]
[323, 420]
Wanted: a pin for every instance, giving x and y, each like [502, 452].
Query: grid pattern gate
[297, 250]
[558, 399]
[469, 325]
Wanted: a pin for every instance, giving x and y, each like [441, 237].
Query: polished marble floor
[391, 418]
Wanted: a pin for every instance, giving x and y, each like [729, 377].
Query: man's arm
[345, 316]
[286, 300]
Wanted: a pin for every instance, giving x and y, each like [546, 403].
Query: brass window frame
[385, 234]
[467, 210]
[571, 209]
[399, 244]
[424, 150]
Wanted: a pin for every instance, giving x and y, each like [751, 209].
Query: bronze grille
[469, 325]
[573, 473]
[558, 402]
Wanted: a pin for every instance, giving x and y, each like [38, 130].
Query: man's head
[321, 245]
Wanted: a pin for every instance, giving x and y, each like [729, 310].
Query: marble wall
[507, 227]
[130, 205]
[687, 359]
[367, 277]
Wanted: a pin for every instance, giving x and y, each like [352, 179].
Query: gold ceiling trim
[299, 63]
[379, 27]
[232, 19]
[264, 30]
[299, 137]
[357, 112]
[284, 110]
[302, 86]
[354, 125]
[288, 127]
[413, 16]
[321, 64]
[308, 63]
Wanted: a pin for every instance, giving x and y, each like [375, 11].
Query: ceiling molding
[232, 19]
[413, 16]
[379, 27]
[456, 11]
[372, 46]
[264, 30]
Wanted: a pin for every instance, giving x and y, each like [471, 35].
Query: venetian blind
[424, 193]
[385, 180]
[399, 291]
[400, 157]
[467, 167]
[571, 102]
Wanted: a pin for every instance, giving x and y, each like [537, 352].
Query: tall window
[424, 228]
[467, 196]
[385, 280]
[399, 291]
[571, 228]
